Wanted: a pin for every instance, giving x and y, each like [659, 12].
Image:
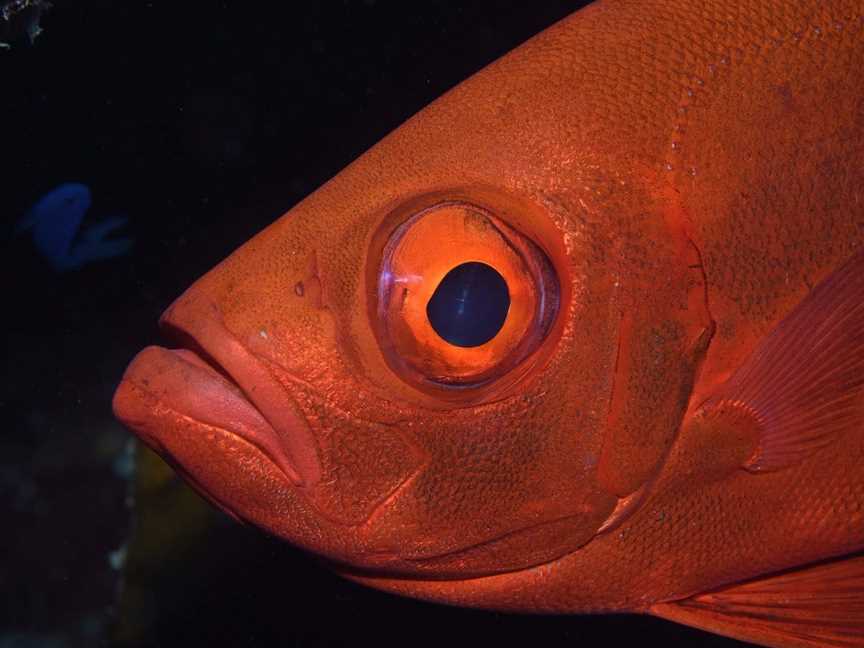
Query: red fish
[584, 335]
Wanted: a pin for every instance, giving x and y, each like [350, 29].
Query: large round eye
[462, 296]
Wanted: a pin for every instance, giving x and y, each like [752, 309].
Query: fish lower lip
[198, 322]
[185, 382]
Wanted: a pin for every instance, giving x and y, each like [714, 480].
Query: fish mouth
[215, 381]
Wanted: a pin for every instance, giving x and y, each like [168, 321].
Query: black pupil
[470, 305]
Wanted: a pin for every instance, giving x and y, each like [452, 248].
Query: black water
[201, 122]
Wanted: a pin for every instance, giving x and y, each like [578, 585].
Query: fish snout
[280, 431]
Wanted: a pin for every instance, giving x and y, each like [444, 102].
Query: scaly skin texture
[758, 109]
[691, 169]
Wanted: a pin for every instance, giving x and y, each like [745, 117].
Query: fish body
[669, 419]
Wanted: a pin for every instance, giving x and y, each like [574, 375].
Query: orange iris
[418, 256]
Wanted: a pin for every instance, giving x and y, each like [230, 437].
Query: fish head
[315, 396]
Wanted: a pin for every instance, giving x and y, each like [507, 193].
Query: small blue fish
[55, 220]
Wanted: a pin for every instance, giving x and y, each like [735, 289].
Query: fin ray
[819, 605]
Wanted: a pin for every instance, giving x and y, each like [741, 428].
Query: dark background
[202, 122]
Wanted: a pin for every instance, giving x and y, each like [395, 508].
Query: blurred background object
[19, 21]
[55, 222]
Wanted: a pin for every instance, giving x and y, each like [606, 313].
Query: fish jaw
[184, 383]
[221, 462]
[201, 422]
[212, 411]
[286, 439]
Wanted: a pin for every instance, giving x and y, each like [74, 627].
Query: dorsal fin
[821, 605]
[802, 386]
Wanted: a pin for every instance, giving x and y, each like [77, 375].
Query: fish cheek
[496, 495]
[364, 463]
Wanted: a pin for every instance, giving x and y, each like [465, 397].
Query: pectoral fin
[802, 387]
[821, 605]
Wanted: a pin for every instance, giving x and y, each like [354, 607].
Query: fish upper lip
[285, 438]
[184, 382]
